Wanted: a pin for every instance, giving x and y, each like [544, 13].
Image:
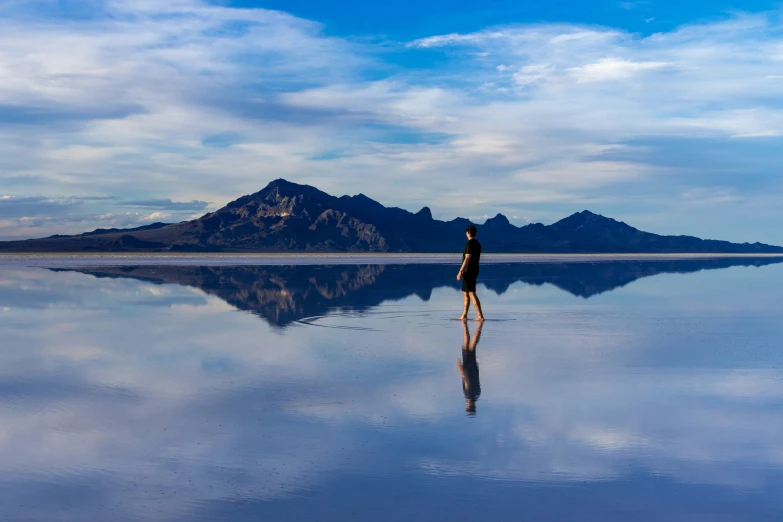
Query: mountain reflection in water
[283, 295]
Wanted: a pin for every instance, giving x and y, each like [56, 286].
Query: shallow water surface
[625, 390]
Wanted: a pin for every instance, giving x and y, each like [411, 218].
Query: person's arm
[462, 268]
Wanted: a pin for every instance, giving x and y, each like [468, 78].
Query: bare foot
[462, 318]
[479, 318]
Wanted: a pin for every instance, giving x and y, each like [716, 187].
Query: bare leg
[477, 304]
[465, 307]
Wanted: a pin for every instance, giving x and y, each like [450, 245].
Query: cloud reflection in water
[130, 396]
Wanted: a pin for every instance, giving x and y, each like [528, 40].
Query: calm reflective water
[595, 391]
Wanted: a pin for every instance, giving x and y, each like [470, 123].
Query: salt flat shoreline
[56, 260]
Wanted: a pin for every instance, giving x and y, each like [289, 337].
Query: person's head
[471, 231]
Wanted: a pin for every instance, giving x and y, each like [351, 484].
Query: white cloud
[711, 195]
[449, 39]
[613, 69]
[156, 216]
[531, 74]
[129, 102]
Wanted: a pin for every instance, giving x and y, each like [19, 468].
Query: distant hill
[285, 217]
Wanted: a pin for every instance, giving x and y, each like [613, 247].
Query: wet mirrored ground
[645, 391]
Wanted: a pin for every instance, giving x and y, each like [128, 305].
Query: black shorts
[469, 282]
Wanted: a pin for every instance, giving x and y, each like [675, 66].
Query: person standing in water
[469, 272]
[468, 368]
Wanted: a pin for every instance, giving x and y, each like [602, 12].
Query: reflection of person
[468, 368]
[469, 272]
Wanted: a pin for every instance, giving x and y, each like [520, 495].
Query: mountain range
[285, 217]
[284, 295]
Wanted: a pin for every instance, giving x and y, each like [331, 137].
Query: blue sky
[410, 19]
[666, 115]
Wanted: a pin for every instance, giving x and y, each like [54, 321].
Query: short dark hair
[471, 230]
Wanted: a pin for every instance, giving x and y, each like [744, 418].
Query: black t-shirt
[472, 247]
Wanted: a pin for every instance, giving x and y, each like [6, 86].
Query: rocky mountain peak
[582, 219]
[498, 220]
[424, 213]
